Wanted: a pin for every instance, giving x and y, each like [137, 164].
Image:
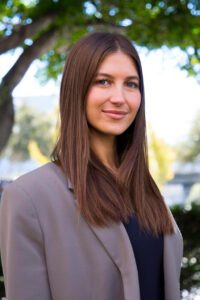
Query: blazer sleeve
[21, 247]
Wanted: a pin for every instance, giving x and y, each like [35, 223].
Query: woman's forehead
[116, 63]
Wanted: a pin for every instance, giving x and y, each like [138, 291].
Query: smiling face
[114, 97]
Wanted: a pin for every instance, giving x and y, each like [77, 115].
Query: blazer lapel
[116, 242]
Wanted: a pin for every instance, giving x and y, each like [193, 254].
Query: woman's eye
[132, 84]
[103, 82]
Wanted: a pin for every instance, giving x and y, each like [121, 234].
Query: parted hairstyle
[103, 197]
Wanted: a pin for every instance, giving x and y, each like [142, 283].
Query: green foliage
[52, 66]
[12, 13]
[188, 222]
[31, 125]
[63, 8]
[190, 149]
[54, 60]
[148, 23]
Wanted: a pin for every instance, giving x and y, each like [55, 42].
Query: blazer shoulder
[46, 177]
[43, 176]
[46, 188]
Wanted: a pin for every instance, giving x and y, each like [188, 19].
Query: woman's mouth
[115, 114]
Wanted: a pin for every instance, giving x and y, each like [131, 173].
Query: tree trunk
[6, 116]
[25, 31]
[45, 42]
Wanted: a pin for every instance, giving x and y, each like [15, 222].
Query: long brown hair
[103, 197]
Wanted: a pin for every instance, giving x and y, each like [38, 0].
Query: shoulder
[47, 176]
[40, 186]
[44, 174]
[42, 194]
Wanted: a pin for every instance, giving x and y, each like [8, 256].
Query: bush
[189, 224]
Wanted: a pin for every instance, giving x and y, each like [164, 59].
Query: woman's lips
[115, 114]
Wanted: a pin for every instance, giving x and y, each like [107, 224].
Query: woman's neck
[105, 149]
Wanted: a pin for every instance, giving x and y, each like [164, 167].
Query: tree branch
[45, 42]
[23, 32]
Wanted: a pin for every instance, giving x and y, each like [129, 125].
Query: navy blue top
[148, 251]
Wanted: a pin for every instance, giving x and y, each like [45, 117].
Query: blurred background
[35, 38]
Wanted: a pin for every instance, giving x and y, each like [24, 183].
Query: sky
[172, 98]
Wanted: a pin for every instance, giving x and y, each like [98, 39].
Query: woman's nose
[117, 96]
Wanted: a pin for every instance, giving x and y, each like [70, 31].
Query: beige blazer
[49, 252]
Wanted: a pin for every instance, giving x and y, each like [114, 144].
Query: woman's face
[114, 96]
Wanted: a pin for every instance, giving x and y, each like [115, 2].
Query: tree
[47, 29]
[189, 150]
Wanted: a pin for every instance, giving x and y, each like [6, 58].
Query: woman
[92, 224]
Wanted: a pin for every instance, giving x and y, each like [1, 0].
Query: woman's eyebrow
[104, 74]
[133, 77]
